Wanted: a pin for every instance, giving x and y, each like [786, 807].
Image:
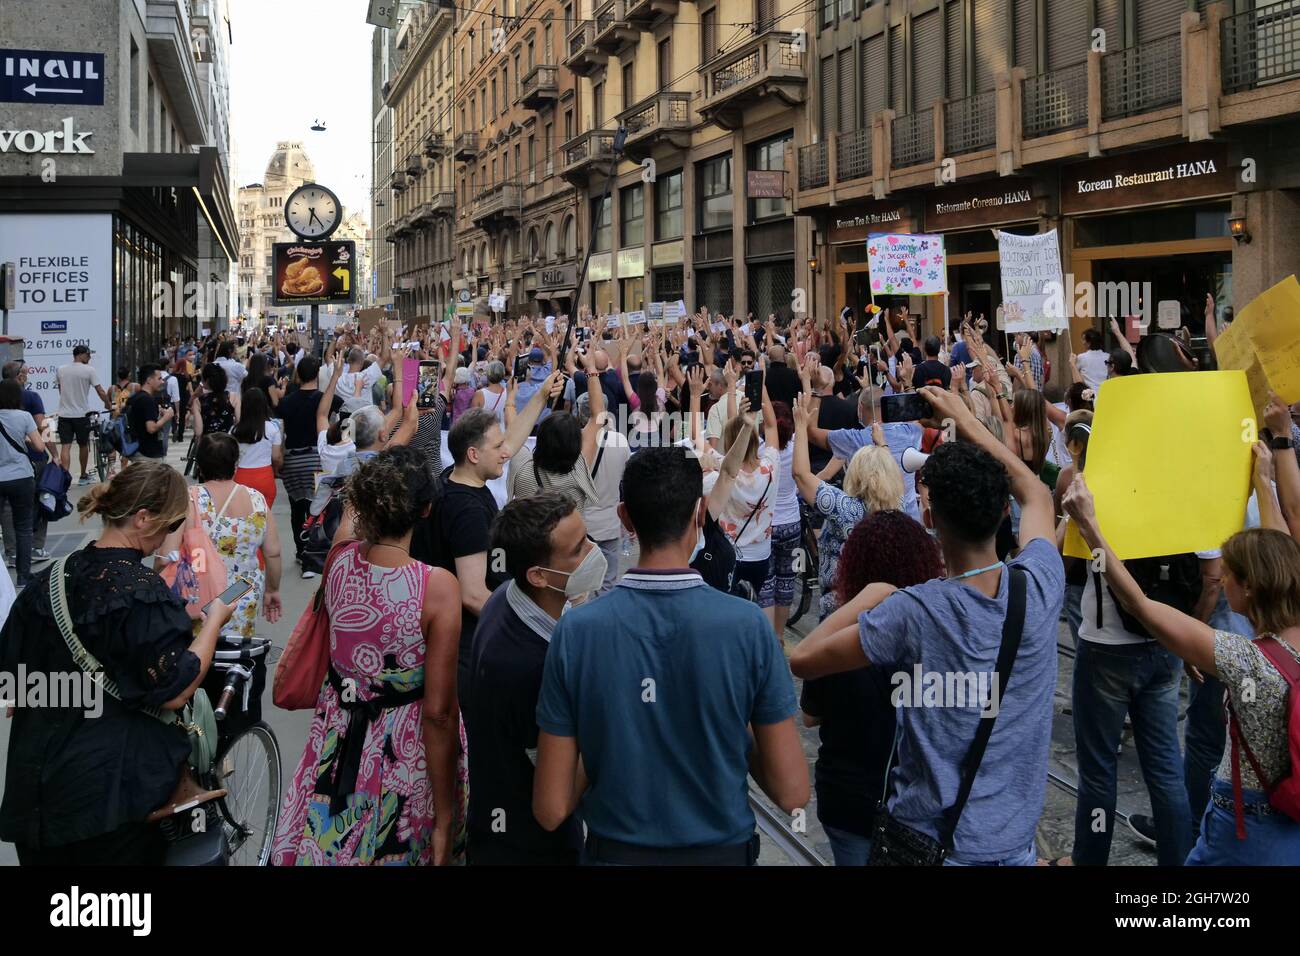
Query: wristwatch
[1281, 444]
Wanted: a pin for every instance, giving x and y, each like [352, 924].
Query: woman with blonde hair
[872, 482]
[78, 791]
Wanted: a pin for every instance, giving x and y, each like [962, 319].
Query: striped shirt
[527, 480]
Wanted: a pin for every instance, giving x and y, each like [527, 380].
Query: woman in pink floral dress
[383, 779]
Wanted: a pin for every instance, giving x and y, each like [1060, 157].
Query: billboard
[64, 292]
[314, 273]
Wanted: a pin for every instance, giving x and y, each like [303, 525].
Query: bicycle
[808, 576]
[103, 463]
[247, 765]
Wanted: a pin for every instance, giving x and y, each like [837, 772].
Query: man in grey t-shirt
[952, 628]
[74, 383]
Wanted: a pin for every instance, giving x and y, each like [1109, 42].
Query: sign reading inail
[51, 76]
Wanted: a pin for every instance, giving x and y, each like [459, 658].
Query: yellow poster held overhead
[1264, 342]
[1169, 462]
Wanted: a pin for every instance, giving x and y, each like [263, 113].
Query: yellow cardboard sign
[1169, 462]
[1264, 342]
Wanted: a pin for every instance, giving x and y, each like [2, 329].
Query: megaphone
[913, 459]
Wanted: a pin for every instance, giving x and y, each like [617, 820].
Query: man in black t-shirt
[781, 380]
[456, 535]
[834, 413]
[544, 540]
[932, 371]
[301, 461]
[143, 418]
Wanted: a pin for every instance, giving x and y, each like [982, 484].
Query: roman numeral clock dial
[313, 211]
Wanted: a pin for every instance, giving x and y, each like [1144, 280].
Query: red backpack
[1283, 796]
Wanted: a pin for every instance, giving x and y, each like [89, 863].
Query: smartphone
[427, 387]
[231, 594]
[908, 407]
[521, 368]
[754, 389]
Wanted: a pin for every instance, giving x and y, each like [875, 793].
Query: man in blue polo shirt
[649, 693]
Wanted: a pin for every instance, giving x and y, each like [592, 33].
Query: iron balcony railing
[772, 53]
[1057, 101]
[414, 165]
[970, 124]
[913, 140]
[606, 15]
[853, 155]
[664, 110]
[582, 38]
[595, 145]
[466, 145]
[1142, 78]
[541, 82]
[434, 144]
[1261, 46]
[503, 199]
[813, 172]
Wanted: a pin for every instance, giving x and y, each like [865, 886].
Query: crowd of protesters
[565, 552]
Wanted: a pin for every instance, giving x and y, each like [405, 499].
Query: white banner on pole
[1033, 292]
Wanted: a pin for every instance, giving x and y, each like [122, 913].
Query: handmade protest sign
[1148, 427]
[906, 264]
[1033, 292]
[1264, 342]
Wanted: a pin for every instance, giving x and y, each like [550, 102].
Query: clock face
[312, 211]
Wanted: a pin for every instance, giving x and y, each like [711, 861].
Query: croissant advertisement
[313, 273]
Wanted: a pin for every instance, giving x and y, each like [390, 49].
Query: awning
[200, 172]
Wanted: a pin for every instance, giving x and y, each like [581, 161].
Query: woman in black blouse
[211, 409]
[78, 787]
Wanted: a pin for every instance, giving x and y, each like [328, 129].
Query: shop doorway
[1183, 279]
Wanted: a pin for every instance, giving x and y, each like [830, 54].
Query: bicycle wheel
[249, 768]
[101, 459]
[800, 606]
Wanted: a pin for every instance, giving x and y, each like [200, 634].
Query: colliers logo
[64, 140]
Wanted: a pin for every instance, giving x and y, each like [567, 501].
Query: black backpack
[1174, 580]
[716, 562]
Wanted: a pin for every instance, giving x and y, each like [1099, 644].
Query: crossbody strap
[80, 654]
[600, 453]
[10, 439]
[1013, 629]
[761, 499]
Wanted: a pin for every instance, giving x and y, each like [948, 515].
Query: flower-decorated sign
[906, 265]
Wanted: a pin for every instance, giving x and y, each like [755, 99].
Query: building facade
[420, 203]
[1156, 136]
[106, 201]
[262, 224]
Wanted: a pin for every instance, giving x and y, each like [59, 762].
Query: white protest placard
[654, 312]
[718, 327]
[550, 324]
[635, 318]
[675, 310]
[1033, 293]
[1169, 314]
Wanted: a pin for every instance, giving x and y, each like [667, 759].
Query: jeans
[1074, 610]
[613, 551]
[1205, 732]
[1026, 857]
[20, 495]
[40, 525]
[1271, 839]
[1140, 680]
[848, 849]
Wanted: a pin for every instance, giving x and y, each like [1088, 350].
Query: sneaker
[11, 561]
[1143, 827]
[40, 554]
[85, 480]
[308, 575]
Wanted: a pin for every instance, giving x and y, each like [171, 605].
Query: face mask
[699, 546]
[586, 577]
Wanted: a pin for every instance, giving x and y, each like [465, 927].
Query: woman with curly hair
[382, 780]
[853, 710]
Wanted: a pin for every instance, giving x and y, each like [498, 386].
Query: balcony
[970, 124]
[813, 173]
[414, 164]
[768, 65]
[853, 155]
[167, 29]
[466, 147]
[1261, 46]
[496, 204]
[421, 214]
[614, 32]
[541, 87]
[1055, 102]
[444, 203]
[648, 11]
[913, 140]
[664, 118]
[435, 144]
[1142, 78]
[399, 181]
[584, 59]
[586, 153]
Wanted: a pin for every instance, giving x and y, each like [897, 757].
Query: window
[495, 112]
[631, 223]
[768, 155]
[131, 81]
[668, 206]
[546, 45]
[713, 180]
[603, 228]
[568, 19]
[519, 76]
[568, 126]
[709, 34]
[597, 105]
[152, 137]
[665, 63]
[532, 154]
[568, 248]
[629, 85]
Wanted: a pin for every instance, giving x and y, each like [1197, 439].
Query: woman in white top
[493, 396]
[746, 515]
[777, 593]
[259, 437]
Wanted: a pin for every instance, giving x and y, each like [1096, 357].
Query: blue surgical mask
[699, 546]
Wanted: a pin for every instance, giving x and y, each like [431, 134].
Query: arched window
[549, 242]
[568, 246]
[532, 245]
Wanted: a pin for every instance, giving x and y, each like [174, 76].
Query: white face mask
[586, 577]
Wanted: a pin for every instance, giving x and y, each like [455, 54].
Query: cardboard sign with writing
[1032, 287]
[1264, 342]
[906, 264]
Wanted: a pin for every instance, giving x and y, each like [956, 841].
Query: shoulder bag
[896, 844]
[200, 573]
[301, 668]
